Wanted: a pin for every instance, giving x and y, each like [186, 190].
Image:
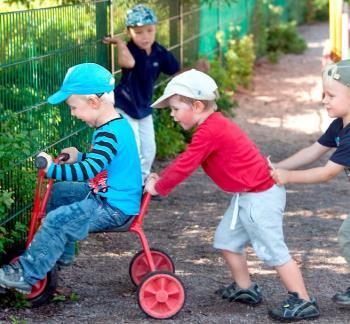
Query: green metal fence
[38, 46]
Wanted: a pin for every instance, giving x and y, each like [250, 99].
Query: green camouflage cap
[340, 72]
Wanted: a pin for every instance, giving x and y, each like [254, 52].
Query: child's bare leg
[238, 267]
[292, 279]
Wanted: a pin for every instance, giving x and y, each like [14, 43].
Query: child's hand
[48, 159]
[73, 154]
[202, 65]
[150, 184]
[270, 164]
[112, 40]
[153, 175]
[280, 176]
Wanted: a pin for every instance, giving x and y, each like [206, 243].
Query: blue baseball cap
[140, 15]
[84, 79]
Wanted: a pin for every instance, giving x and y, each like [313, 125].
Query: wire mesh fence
[38, 46]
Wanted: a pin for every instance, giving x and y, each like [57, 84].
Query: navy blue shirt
[134, 93]
[338, 136]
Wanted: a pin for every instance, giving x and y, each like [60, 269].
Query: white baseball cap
[192, 84]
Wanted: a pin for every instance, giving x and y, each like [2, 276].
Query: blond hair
[208, 104]
[107, 97]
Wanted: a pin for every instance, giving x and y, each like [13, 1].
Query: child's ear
[94, 101]
[198, 106]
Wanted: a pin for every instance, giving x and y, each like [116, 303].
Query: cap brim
[58, 97]
[162, 101]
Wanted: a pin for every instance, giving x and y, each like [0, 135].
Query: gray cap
[340, 71]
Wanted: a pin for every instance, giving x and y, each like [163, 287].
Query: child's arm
[103, 152]
[125, 58]
[303, 157]
[314, 175]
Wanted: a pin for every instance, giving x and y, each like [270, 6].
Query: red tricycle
[160, 292]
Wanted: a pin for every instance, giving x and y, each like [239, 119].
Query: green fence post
[174, 28]
[101, 31]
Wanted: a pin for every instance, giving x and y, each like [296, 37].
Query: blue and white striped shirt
[112, 166]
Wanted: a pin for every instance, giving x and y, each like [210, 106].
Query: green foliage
[272, 36]
[169, 135]
[308, 10]
[318, 10]
[29, 4]
[14, 299]
[285, 38]
[3, 238]
[14, 320]
[218, 72]
[58, 298]
[73, 297]
[6, 201]
[258, 28]
[226, 87]
[9, 237]
[17, 139]
[234, 69]
[274, 57]
[240, 58]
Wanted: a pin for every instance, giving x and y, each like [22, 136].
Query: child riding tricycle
[111, 201]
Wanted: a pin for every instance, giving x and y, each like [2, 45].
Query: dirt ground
[282, 113]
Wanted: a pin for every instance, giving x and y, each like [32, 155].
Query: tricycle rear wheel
[139, 267]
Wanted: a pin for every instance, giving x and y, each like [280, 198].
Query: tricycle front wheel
[43, 289]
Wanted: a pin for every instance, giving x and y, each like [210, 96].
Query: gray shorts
[259, 222]
[344, 239]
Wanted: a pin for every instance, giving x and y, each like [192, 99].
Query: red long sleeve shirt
[227, 156]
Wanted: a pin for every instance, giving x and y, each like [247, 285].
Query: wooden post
[345, 32]
[335, 29]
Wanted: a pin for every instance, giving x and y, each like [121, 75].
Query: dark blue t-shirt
[134, 92]
[338, 136]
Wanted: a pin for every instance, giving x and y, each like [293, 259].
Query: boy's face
[82, 108]
[182, 112]
[336, 99]
[143, 36]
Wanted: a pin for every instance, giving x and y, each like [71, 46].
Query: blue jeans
[73, 212]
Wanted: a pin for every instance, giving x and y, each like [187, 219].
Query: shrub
[284, 37]
[240, 58]
[16, 143]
